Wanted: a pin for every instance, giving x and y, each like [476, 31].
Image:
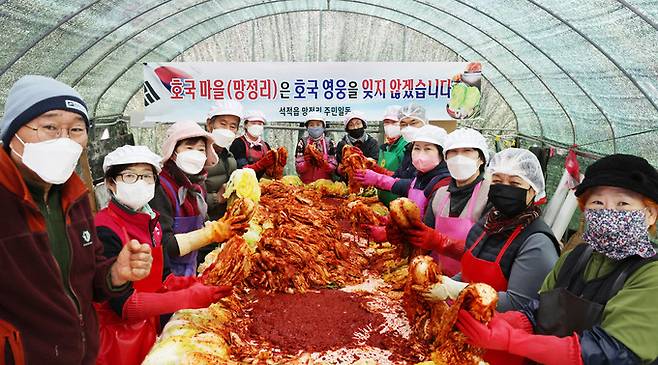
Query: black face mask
[356, 133]
[507, 199]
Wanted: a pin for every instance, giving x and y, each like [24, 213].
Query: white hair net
[255, 115]
[226, 107]
[430, 134]
[466, 138]
[356, 114]
[392, 112]
[522, 163]
[413, 111]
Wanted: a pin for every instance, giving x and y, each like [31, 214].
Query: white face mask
[462, 167]
[408, 132]
[255, 130]
[54, 160]
[392, 130]
[191, 162]
[223, 137]
[136, 195]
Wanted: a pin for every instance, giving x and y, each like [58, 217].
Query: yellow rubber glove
[215, 231]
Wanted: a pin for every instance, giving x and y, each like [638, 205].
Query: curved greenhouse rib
[564, 71]
[343, 11]
[22, 53]
[134, 91]
[639, 13]
[127, 39]
[99, 39]
[361, 13]
[573, 129]
[603, 52]
[518, 34]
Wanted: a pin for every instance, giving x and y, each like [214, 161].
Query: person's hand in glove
[174, 282]
[370, 178]
[327, 166]
[315, 157]
[446, 288]
[517, 320]
[318, 160]
[424, 237]
[499, 335]
[266, 161]
[309, 158]
[200, 295]
[141, 305]
[376, 233]
[393, 233]
[428, 238]
[214, 231]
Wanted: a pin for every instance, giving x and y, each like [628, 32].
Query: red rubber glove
[339, 170]
[308, 157]
[142, 305]
[425, 237]
[328, 166]
[268, 160]
[393, 233]
[429, 238]
[517, 320]
[501, 336]
[173, 282]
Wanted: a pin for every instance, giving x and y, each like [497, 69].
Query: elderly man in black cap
[52, 262]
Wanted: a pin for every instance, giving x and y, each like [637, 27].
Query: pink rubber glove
[376, 233]
[142, 305]
[371, 178]
[501, 336]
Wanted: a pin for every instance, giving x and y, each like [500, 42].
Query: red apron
[475, 270]
[10, 339]
[456, 229]
[128, 342]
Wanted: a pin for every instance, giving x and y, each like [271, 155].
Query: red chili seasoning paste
[313, 321]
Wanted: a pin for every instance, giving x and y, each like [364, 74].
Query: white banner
[288, 91]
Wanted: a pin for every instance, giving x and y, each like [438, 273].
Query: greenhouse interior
[329, 182]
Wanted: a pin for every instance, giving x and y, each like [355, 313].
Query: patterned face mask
[618, 234]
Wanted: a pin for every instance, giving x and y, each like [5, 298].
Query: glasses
[48, 132]
[131, 178]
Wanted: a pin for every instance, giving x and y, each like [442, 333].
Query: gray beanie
[34, 95]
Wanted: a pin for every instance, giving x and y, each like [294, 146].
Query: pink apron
[417, 196]
[456, 229]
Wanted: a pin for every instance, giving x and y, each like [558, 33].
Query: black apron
[575, 305]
